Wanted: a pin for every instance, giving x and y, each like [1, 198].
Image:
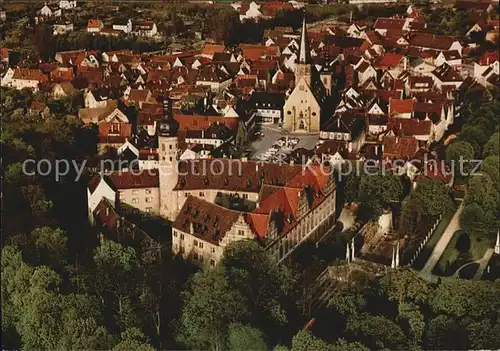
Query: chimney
[257, 205]
[292, 162]
[397, 140]
[191, 228]
[256, 167]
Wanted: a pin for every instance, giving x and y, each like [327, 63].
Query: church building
[302, 109]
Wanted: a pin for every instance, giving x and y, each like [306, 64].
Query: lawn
[462, 248]
[429, 247]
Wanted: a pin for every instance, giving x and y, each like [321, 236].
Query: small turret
[168, 126]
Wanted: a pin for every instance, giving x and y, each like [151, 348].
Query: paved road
[483, 262]
[441, 245]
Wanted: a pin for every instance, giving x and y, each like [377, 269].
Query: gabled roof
[29, 74]
[389, 23]
[134, 180]
[488, 58]
[397, 106]
[38, 106]
[447, 74]
[431, 41]
[94, 23]
[409, 127]
[452, 55]
[209, 222]
[389, 60]
[399, 147]
[211, 49]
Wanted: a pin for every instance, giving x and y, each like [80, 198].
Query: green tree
[133, 339]
[351, 187]
[304, 340]
[405, 285]
[430, 199]
[482, 191]
[492, 147]
[460, 298]
[444, 333]
[457, 152]
[115, 279]
[265, 286]
[377, 332]
[378, 191]
[51, 245]
[242, 337]
[491, 166]
[210, 306]
[484, 334]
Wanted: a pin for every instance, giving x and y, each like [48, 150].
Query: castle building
[213, 202]
[302, 109]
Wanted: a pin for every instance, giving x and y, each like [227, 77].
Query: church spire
[304, 47]
[497, 245]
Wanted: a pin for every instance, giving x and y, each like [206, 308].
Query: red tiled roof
[210, 49]
[399, 147]
[208, 221]
[38, 106]
[488, 58]
[94, 23]
[256, 52]
[401, 106]
[29, 74]
[111, 129]
[389, 23]
[432, 41]
[196, 122]
[409, 127]
[61, 75]
[258, 223]
[389, 60]
[134, 180]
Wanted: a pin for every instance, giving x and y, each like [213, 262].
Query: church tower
[304, 67]
[302, 109]
[168, 146]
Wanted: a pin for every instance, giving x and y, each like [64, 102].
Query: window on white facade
[213, 250]
[135, 192]
[148, 191]
[175, 233]
[200, 245]
[149, 209]
[212, 263]
[241, 232]
[202, 194]
[182, 236]
[200, 257]
[195, 243]
[135, 200]
[149, 199]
